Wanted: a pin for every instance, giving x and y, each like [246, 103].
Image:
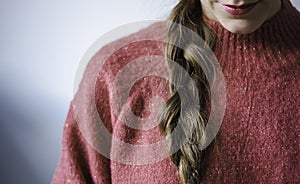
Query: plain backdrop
[42, 43]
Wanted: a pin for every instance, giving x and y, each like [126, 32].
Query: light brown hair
[187, 108]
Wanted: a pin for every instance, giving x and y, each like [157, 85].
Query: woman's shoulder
[126, 60]
[109, 59]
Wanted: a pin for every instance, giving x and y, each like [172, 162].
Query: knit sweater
[112, 123]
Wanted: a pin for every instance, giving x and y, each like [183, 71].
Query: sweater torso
[259, 138]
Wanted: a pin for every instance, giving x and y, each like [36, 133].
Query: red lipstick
[238, 10]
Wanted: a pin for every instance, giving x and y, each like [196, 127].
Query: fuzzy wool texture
[259, 138]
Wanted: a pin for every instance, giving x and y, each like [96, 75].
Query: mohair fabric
[258, 141]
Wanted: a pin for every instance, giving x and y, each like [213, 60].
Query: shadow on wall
[29, 140]
[15, 167]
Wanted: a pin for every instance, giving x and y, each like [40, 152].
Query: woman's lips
[238, 10]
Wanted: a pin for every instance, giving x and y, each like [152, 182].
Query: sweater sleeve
[90, 126]
[85, 150]
[79, 162]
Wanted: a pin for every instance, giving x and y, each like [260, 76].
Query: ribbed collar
[283, 26]
[274, 44]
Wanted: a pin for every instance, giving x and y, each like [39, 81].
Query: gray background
[42, 43]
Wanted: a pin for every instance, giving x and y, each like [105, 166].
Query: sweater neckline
[283, 22]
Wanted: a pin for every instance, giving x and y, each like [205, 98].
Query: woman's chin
[241, 26]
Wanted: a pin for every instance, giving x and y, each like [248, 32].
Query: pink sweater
[259, 138]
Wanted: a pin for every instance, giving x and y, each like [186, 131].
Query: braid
[182, 121]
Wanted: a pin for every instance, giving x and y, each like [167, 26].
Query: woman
[257, 44]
